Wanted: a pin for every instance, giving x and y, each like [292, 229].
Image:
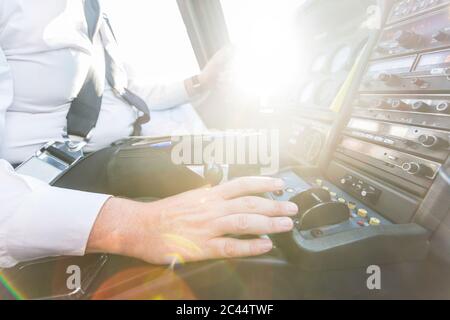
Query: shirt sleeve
[160, 96]
[37, 220]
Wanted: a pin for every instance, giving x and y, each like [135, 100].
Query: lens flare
[10, 288]
[267, 46]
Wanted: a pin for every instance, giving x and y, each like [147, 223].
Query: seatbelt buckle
[76, 143]
[52, 160]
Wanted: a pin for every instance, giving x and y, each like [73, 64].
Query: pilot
[45, 53]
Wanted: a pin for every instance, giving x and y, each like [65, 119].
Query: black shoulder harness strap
[85, 108]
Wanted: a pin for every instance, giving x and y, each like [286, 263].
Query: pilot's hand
[218, 68]
[194, 225]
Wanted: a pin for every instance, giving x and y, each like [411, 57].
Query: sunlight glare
[268, 57]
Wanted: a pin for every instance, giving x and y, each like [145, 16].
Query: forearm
[37, 220]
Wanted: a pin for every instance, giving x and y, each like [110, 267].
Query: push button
[374, 221]
[362, 213]
[361, 223]
[351, 205]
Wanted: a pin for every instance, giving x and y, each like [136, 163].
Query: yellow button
[374, 221]
[341, 200]
[351, 205]
[319, 182]
[325, 188]
[362, 213]
[333, 194]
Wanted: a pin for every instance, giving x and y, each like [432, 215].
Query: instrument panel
[332, 52]
[392, 145]
[406, 9]
[432, 111]
[329, 70]
[399, 127]
[422, 33]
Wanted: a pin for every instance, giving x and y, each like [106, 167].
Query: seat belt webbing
[85, 108]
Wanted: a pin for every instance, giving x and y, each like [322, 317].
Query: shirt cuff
[177, 90]
[52, 222]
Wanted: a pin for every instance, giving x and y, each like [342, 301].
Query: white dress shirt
[45, 54]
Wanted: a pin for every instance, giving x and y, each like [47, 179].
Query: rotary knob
[416, 169]
[418, 82]
[408, 39]
[387, 78]
[399, 105]
[443, 107]
[431, 141]
[420, 106]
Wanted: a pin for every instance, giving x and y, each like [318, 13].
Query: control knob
[408, 39]
[418, 82]
[416, 169]
[420, 106]
[316, 210]
[309, 198]
[398, 104]
[443, 107]
[432, 142]
[387, 78]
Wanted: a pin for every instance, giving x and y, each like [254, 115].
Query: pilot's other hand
[195, 225]
[218, 68]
